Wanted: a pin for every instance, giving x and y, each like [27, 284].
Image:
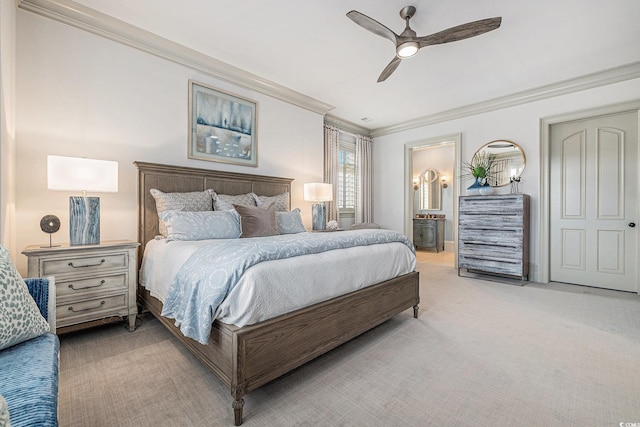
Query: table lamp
[81, 174]
[319, 193]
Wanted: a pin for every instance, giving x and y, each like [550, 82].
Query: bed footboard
[248, 357]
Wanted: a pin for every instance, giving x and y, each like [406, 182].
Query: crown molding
[85, 18]
[587, 81]
[346, 125]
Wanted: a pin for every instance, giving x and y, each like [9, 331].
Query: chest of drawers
[93, 282]
[493, 234]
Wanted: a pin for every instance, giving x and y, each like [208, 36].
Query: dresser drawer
[90, 308]
[92, 284]
[507, 238]
[83, 264]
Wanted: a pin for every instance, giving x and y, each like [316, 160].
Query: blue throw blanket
[208, 276]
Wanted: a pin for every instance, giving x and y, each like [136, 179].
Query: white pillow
[281, 201]
[20, 318]
[194, 201]
[290, 222]
[224, 202]
[201, 225]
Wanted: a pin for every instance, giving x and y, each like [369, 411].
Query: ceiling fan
[408, 43]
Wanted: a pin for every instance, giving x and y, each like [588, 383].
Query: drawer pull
[102, 261]
[88, 308]
[87, 287]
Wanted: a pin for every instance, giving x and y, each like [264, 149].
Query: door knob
[632, 224]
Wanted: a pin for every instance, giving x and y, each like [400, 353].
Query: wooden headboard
[170, 179]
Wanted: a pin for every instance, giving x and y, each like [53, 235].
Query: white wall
[7, 123]
[520, 124]
[82, 95]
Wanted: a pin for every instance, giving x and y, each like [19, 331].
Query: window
[347, 178]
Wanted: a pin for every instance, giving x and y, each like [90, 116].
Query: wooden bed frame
[248, 357]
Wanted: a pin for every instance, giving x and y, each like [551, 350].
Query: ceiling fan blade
[460, 32]
[372, 25]
[389, 69]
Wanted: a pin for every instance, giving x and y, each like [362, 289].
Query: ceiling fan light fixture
[407, 49]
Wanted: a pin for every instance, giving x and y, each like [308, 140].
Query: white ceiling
[313, 48]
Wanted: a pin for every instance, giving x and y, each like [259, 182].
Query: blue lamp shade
[85, 175]
[319, 193]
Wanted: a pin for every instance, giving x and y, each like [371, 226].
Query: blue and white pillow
[203, 225]
[290, 222]
[20, 318]
[4, 413]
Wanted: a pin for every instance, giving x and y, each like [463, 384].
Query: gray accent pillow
[224, 202]
[257, 221]
[194, 201]
[201, 225]
[281, 201]
[290, 222]
[20, 318]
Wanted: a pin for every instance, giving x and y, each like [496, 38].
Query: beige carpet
[481, 353]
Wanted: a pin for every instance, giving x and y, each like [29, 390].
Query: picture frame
[222, 126]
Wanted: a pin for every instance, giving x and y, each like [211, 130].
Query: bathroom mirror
[509, 161]
[430, 190]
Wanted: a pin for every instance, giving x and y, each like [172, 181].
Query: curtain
[364, 179]
[331, 147]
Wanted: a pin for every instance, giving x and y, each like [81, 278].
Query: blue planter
[474, 189]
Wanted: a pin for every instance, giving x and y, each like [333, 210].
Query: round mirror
[508, 161]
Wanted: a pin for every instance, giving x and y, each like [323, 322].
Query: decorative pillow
[281, 201]
[195, 201]
[201, 225]
[257, 221]
[20, 318]
[290, 222]
[224, 202]
[4, 413]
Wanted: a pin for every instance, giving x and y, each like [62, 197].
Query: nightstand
[93, 282]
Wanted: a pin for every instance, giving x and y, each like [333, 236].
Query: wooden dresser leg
[415, 311]
[237, 410]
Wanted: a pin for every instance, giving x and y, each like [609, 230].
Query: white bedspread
[272, 288]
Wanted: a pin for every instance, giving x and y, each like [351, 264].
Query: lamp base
[84, 220]
[318, 216]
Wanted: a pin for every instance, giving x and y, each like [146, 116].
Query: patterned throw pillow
[257, 221]
[201, 225]
[4, 413]
[281, 201]
[290, 222]
[20, 318]
[195, 201]
[225, 202]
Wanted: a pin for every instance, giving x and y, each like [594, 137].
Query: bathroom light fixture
[443, 179]
[80, 174]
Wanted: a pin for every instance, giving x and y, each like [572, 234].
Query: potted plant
[479, 169]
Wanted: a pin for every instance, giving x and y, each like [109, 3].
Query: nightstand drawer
[92, 284]
[93, 308]
[74, 265]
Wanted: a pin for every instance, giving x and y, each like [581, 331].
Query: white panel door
[594, 207]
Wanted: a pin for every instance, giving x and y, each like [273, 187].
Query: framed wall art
[222, 126]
